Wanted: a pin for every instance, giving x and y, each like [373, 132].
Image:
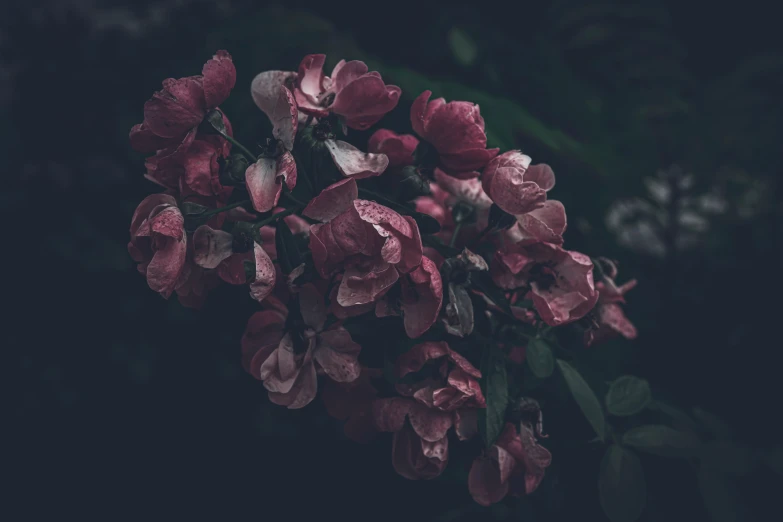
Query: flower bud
[213, 123]
[232, 170]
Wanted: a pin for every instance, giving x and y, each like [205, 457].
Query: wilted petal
[429, 424]
[332, 201]
[220, 75]
[389, 414]
[211, 246]
[264, 282]
[354, 163]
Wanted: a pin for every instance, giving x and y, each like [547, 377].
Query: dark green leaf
[628, 395]
[719, 493]
[621, 485]
[540, 359]
[287, 253]
[714, 425]
[680, 419]
[494, 382]
[662, 440]
[584, 397]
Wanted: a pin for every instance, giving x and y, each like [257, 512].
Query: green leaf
[662, 440]
[621, 485]
[720, 497]
[714, 425]
[680, 419]
[494, 382]
[540, 359]
[462, 46]
[628, 395]
[287, 252]
[584, 397]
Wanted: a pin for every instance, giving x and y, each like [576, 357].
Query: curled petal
[164, 270]
[364, 101]
[177, 108]
[266, 88]
[389, 414]
[359, 288]
[264, 282]
[333, 200]
[302, 392]
[542, 175]
[211, 246]
[354, 163]
[311, 75]
[420, 311]
[429, 424]
[145, 208]
[414, 359]
[418, 113]
[466, 423]
[468, 190]
[546, 224]
[264, 180]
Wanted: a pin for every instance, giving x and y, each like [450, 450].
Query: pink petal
[201, 168]
[358, 288]
[418, 110]
[414, 359]
[166, 265]
[389, 414]
[466, 423]
[612, 315]
[220, 75]
[177, 108]
[312, 307]
[349, 234]
[542, 175]
[484, 482]
[469, 190]
[422, 312]
[429, 424]
[262, 185]
[264, 282]
[364, 101]
[284, 117]
[354, 163]
[546, 224]
[311, 75]
[398, 148]
[332, 201]
[455, 127]
[211, 246]
[346, 72]
[264, 329]
[146, 206]
[142, 139]
[168, 221]
[303, 391]
[337, 354]
[265, 89]
[464, 163]
[408, 455]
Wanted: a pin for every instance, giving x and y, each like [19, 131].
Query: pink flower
[264, 180]
[546, 224]
[516, 186]
[215, 249]
[514, 464]
[158, 242]
[608, 313]
[352, 403]
[420, 447]
[287, 352]
[456, 130]
[398, 148]
[272, 93]
[456, 385]
[358, 96]
[371, 243]
[173, 114]
[559, 282]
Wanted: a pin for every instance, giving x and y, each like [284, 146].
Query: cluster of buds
[453, 242]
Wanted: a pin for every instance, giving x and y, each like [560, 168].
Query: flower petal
[312, 307]
[332, 201]
[337, 354]
[211, 246]
[264, 282]
[220, 75]
[354, 163]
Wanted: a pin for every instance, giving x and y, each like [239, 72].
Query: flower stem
[455, 234]
[212, 212]
[284, 213]
[241, 147]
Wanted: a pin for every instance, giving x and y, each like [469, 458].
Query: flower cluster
[450, 248]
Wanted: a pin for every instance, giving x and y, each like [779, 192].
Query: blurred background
[663, 123]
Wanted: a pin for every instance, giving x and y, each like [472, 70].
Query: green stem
[455, 234]
[212, 212]
[241, 147]
[284, 213]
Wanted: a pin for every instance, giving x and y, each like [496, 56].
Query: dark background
[123, 405]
